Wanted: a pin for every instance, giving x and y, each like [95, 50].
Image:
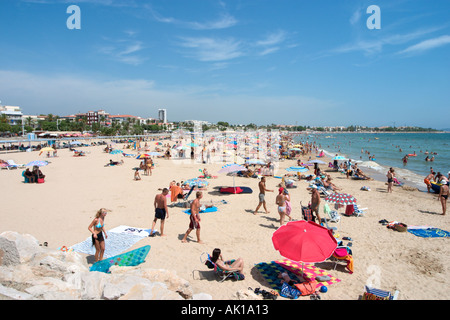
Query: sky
[294, 62]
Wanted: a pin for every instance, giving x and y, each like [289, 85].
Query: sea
[388, 150]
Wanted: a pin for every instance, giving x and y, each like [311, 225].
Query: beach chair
[307, 213]
[205, 259]
[378, 294]
[332, 215]
[343, 253]
[16, 165]
[359, 211]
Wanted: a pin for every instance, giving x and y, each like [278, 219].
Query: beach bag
[40, 180]
[306, 288]
[289, 292]
[400, 227]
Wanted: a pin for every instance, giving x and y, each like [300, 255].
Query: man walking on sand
[262, 194]
[161, 211]
[194, 218]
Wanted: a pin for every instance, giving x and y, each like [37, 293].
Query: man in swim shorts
[262, 194]
[161, 211]
[194, 219]
[428, 179]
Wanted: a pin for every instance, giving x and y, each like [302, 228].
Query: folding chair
[205, 258]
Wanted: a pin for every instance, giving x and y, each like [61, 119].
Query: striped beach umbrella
[38, 163]
[341, 198]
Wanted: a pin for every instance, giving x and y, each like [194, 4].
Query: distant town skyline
[311, 63]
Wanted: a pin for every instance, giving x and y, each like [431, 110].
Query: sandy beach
[60, 210]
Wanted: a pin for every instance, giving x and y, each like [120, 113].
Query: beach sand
[60, 210]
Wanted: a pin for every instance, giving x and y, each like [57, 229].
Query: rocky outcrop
[29, 271]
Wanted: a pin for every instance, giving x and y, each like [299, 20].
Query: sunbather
[236, 265]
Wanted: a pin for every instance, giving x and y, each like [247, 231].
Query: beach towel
[119, 240]
[270, 272]
[129, 259]
[212, 209]
[429, 232]
[174, 192]
[310, 271]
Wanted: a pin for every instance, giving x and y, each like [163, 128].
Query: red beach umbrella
[304, 241]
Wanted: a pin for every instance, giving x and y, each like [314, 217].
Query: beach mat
[119, 240]
[429, 232]
[270, 272]
[212, 209]
[310, 271]
[129, 259]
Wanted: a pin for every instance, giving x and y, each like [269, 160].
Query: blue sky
[288, 62]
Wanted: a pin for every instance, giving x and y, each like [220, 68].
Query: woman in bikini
[443, 196]
[390, 179]
[237, 265]
[97, 228]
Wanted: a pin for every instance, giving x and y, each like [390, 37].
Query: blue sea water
[385, 147]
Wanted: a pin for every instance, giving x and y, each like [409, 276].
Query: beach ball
[323, 289]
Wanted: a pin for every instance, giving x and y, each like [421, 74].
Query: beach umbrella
[341, 198]
[47, 149]
[192, 145]
[38, 163]
[317, 161]
[304, 241]
[74, 143]
[295, 149]
[142, 156]
[297, 169]
[232, 168]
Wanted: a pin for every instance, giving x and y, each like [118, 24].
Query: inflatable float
[436, 186]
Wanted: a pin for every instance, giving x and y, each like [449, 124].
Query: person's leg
[265, 208]
[198, 235]
[97, 250]
[162, 228]
[102, 249]
[186, 235]
[257, 208]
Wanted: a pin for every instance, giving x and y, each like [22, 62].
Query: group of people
[34, 175]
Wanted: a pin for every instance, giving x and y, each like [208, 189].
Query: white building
[13, 114]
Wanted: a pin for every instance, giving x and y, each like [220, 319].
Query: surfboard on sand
[129, 259]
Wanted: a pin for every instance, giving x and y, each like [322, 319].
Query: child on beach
[136, 174]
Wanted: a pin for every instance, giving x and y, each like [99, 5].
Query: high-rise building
[162, 115]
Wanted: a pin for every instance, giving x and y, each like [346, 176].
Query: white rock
[201, 296]
[26, 244]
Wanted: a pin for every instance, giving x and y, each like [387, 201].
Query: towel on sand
[119, 240]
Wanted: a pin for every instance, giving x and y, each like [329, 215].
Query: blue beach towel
[430, 233]
[212, 209]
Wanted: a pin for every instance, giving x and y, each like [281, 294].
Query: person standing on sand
[315, 202]
[97, 228]
[281, 202]
[390, 176]
[428, 179]
[443, 196]
[194, 218]
[262, 194]
[161, 211]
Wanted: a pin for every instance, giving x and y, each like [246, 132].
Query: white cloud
[212, 49]
[427, 45]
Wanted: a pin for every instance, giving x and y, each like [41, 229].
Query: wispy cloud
[224, 21]
[271, 43]
[427, 45]
[124, 50]
[212, 49]
[376, 45]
